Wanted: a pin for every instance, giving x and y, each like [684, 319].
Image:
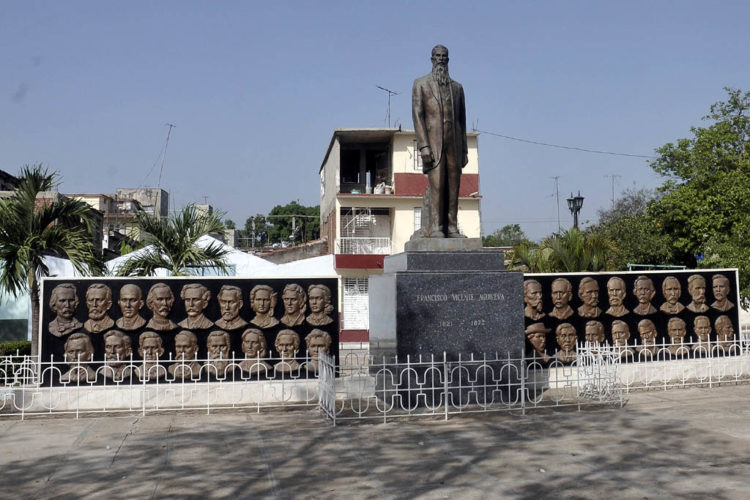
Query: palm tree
[570, 251]
[171, 244]
[29, 232]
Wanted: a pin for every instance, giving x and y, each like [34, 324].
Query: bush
[10, 348]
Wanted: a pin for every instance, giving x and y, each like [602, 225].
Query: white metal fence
[28, 387]
[362, 387]
[393, 388]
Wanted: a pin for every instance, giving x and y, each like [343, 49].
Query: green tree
[636, 236]
[293, 219]
[171, 244]
[507, 236]
[569, 251]
[32, 229]
[256, 227]
[229, 224]
[705, 207]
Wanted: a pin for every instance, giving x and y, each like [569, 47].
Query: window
[356, 313]
[417, 218]
[417, 158]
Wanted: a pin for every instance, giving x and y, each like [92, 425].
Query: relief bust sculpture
[150, 348]
[293, 298]
[721, 293]
[562, 292]
[255, 349]
[697, 290]
[78, 352]
[588, 292]
[319, 298]
[160, 300]
[532, 295]
[130, 302]
[537, 335]
[118, 353]
[63, 301]
[287, 344]
[230, 303]
[196, 297]
[672, 291]
[644, 291]
[185, 350]
[616, 292]
[566, 339]
[317, 342]
[98, 301]
[263, 302]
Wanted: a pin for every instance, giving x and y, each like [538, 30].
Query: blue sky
[255, 90]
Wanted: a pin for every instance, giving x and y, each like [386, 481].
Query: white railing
[670, 366]
[32, 388]
[363, 387]
[435, 386]
[364, 245]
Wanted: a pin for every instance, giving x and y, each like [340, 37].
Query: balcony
[364, 245]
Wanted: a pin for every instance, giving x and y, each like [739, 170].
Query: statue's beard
[440, 72]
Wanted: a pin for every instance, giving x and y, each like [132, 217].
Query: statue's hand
[426, 154]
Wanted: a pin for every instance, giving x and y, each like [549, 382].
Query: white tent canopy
[314, 267]
[240, 263]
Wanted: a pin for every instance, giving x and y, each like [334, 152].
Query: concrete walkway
[692, 443]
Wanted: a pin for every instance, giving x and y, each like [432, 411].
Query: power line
[573, 148]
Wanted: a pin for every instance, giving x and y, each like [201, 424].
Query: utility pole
[390, 93]
[557, 198]
[614, 177]
[164, 158]
[253, 233]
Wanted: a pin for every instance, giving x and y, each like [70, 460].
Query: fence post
[523, 383]
[445, 384]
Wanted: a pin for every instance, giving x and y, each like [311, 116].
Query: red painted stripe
[350, 261]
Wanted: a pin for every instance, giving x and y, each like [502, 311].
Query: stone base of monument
[446, 305]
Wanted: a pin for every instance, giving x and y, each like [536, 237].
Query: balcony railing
[364, 245]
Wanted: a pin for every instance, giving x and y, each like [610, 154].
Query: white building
[371, 192]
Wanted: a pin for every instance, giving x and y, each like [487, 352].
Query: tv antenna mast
[390, 93]
[164, 158]
[557, 199]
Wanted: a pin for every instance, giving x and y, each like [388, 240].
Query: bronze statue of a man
[439, 114]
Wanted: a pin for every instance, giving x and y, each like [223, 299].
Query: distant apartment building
[119, 214]
[371, 197]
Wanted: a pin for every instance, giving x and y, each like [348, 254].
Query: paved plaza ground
[691, 443]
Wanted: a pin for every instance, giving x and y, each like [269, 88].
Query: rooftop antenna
[164, 158]
[614, 178]
[390, 93]
[557, 197]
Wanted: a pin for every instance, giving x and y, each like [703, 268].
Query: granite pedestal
[455, 304]
[460, 303]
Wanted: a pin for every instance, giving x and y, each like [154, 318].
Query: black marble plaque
[459, 312]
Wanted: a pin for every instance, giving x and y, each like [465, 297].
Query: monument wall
[630, 309]
[161, 320]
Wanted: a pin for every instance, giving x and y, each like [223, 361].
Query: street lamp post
[574, 204]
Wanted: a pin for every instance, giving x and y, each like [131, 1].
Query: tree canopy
[705, 204]
[635, 236]
[507, 236]
[292, 223]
